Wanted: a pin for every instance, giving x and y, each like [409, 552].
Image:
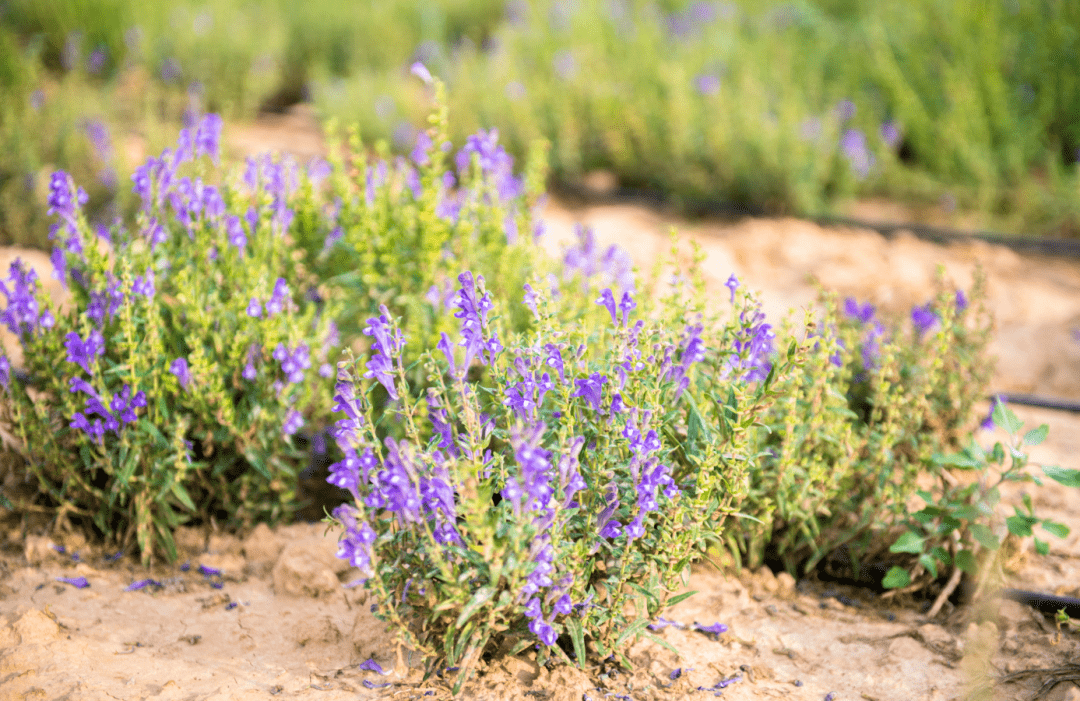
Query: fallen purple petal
[77, 582]
[662, 623]
[714, 629]
[368, 684]
[371, 665]
[142, 584]
[231, 605]
[209, 571]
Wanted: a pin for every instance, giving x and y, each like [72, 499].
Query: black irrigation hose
[1041, 402]
[1048, 604]
[1063, 248]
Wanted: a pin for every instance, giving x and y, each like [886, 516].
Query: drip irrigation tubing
[1036, 401]
[1060, 248]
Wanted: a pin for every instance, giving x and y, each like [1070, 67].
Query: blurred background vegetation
[799, 108]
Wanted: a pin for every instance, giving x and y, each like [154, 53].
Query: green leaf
[1019, 525]
[908, 543]
[895, 578]
[679, 598]
[985, 536]
[958, 460]
[1041, 547]
[577, 636]
[180, 493]
[965, 560]
[929, 563]
[1036, 435]
[1004, 417]
[661, 642]
[632, 631]
[6, 503]
[481, 597]
[1064, 475]
[1058, 529]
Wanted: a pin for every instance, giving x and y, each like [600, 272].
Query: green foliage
[960, 517]
[855, 430]
[111, 428]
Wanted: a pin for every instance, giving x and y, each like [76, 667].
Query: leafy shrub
[553, 488]
[860, 424]
[190, 352]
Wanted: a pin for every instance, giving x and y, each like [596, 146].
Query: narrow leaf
[681, 597]
[481, 597]
[1041, 547]
[577, 636]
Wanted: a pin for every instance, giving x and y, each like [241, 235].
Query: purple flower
[5, 371]
[294, 364]
[988, 423]
[732, 284]
[923, 318]
[386, 346]
[862, 313]
[235, 231]
[961, 301]
[370, 665]
[845, 110]
[64, 199]
[209, 571]
[420, 71]
[591, 389]
[890, 134]
[531, 491]
[254, 308]
[84, 352]
[714, 630]
[179, 367]
[278, 299]
[294, 421]
[77, 582]
[142, 584]
[608, 301]
[208, 137]
[472, 310]
[144, 285]
[853, 146]
[22, 315]
[662, 623]
[707, 84]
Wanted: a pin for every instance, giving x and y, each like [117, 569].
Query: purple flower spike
[732, 284]
[420, 71]
[179, 367]
[853, 310]
[370, 665]
[386, 346]
[591, 389]
[607, 300]
[77, 582]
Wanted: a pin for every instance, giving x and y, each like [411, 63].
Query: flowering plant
[549, 486]
[168, 389]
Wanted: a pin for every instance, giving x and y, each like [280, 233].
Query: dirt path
[277, 622]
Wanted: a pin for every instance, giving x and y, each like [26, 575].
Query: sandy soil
[279, 620]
